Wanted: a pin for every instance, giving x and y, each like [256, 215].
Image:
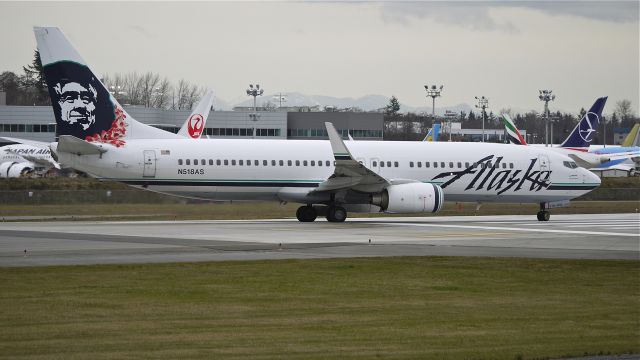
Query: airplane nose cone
[591, 177]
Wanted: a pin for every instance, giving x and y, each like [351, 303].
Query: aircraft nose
[591, 178]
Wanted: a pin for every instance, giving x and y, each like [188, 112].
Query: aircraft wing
[40, 144]
[349, 173]
[37, 160]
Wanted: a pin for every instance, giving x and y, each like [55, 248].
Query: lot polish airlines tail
[582, 135]
[82, 105]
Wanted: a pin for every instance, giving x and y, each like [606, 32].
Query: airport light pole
[255, 92]
[433, 92]
[483, 103]
[546, 96]
[281, 98]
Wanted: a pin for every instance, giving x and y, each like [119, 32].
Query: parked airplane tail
[633, 138]
[582, 135]
[433, 133]
[512, 131]
[194, 126]
[82, 105]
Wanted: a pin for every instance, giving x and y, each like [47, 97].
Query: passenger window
[304, 163]
[459, 165]
[233, 162]
[289, 162]
[281, 162]
[466, 164]
[240, 162]
[273, 163]
[203, 162]
[419, 164]
[256, 162]
[504, 165]
[410, 163]
[248, 162]
[328, 163]
[195, 161]
[451, 164]
[381, 163]
[319, 162]
[179, 161]
[297, 162]
[313, 163]
[395, 164]
[218, 162]
[435, 164]
[188, 162]
[226, 162]
[442, 164]
[388, 163]
[210, 161]
[375, 164]
[510, 165]
[265, 163]
[427, 164]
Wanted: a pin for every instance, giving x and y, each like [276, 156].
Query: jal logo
[586, 129]
[195, 125]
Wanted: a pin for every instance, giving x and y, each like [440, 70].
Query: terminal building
[38, 123]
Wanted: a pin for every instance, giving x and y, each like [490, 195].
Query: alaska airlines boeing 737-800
[328, 177]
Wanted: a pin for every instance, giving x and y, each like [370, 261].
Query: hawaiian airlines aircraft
[329, 178]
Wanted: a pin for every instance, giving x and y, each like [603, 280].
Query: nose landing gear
[543, 214]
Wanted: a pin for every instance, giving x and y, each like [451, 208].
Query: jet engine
[15, 169]
[409, 198]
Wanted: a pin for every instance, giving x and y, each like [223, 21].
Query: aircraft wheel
[336, 214]
[306, 214]
[543, 215]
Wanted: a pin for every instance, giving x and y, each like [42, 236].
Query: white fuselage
[25, 153]
[289, 170]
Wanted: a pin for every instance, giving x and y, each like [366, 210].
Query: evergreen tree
[393, 107]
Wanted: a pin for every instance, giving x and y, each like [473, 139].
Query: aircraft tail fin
[82, 105]
[195, 124]
[432, 134]
[633, 138]
[582, 135]
[512, 131]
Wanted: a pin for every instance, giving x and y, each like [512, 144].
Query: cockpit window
[570, 164]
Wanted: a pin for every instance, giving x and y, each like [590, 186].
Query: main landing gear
[543, 215]
[334, 213]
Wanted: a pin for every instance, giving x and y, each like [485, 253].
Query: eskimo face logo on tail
[586, 129]
[195, 125]
[82, 106]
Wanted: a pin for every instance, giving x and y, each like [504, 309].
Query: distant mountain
[366, 103]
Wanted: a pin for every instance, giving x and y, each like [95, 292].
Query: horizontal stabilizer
[73, 145]
[39, 144]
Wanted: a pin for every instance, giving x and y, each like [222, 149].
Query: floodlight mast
[433, 92]
[483, 103]
[255, 92]
[546, 96]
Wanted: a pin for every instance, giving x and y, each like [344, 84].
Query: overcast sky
[503, 50]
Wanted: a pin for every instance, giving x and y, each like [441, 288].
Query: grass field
[262, 210]
[439, 308]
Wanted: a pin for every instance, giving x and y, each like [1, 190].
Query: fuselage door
[149, 163]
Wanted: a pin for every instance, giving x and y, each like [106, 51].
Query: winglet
[340, 151]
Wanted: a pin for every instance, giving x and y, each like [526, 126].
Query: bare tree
[623, 110]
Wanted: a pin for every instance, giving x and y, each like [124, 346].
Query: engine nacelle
[410, 198]
[14, 169]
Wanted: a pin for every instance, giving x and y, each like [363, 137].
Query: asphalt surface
[589, 236]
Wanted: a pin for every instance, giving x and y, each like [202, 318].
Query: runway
[589, 236]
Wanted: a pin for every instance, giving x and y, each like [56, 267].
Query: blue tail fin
[583, 133]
